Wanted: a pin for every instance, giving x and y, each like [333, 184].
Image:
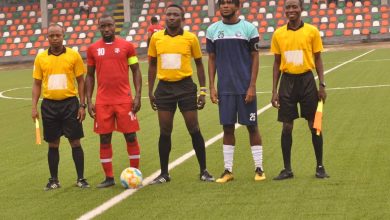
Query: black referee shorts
[294, 89]
[59, 117]
[181, 93]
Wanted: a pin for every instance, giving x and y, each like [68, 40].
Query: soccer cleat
[320, 172]
[206, 176]
[82, 183]
[109, 181]
[52, 184]
[260, 175]
[225, 177]
[284, 174]
[162, 178]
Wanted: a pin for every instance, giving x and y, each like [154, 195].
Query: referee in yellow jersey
[170, 52]
[55, 73]
[297, 47]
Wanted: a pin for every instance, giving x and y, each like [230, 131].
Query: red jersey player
[153, 28]
[115, 108]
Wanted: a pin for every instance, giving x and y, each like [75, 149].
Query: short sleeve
[317, 42]
[195, 48]
[210, 43]
[37, 72]
[90, 57]
[132, 55]
[152, 51]
[274, 44]
[79, 68]
[254, 38]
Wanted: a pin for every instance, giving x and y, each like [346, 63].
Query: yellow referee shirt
[58, 73]
[296, 47]
[174, 54]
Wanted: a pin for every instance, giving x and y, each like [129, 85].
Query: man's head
[107, 27]
[154, 20]
[293, 9]
[55, 35]
[228, 8]
[174, 16]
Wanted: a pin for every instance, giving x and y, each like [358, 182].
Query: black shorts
[170, 94]
[60, 118]
[294, 89]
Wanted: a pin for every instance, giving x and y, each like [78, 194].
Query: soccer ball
[131, 178]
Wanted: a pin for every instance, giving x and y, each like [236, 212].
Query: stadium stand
[22, 35]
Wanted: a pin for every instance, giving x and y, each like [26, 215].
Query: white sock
[228, 151]
[257, 153]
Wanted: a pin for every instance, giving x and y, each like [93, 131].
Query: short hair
[106, 15]
[176, 6]
[235, 2]
[154, 19]
[56, 25]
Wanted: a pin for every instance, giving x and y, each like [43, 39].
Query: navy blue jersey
[232, 45]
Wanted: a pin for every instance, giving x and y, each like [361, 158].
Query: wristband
[202, 93]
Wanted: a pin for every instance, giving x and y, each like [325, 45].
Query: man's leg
[165, 119]
[53, 158]
[257, 151]
[78, 159]
[317, 141]
[106, 160]
[133, 149]
[286, 142]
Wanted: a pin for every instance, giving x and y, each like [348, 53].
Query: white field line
[116, 199]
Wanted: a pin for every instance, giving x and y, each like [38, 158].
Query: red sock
[106, 159]
[133, 152]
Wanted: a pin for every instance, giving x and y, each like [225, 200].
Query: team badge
[117, 50]
[238, 34]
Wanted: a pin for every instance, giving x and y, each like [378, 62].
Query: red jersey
[154, 28]
[112, 62]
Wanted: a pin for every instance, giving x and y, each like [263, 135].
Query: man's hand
[91, 110]
[81, 114]
[275, 100]
[34, 114]
[152, 101]
[250, 94]
[201, 102]
[322, 94]
[214, 96]
[136, 104]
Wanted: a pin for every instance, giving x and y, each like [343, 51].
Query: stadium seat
[356, 32]
[8, 53]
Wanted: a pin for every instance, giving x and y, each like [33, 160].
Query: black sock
[317, 144]
[78, 158]
[286, 149]
[53, 157]
[200, 150]
[164, 148]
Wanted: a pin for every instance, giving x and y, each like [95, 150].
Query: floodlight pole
[211, 10]
[44, 13]
[127, 10]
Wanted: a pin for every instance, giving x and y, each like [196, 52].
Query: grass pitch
[356, 149]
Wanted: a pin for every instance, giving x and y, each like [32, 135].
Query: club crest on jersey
[117, 50]
[238, 34]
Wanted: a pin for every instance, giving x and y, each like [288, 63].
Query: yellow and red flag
[37, 132]
[318, 118]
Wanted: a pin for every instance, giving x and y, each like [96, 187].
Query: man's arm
[137, 81]
[36, 93]
[89, 86]
[152, 71]
[81, 89]
[212, 71]
[202, 82]
[251, 92]
[320, 73]
[275, 80]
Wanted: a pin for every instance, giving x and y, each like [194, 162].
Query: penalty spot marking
[118, 198]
